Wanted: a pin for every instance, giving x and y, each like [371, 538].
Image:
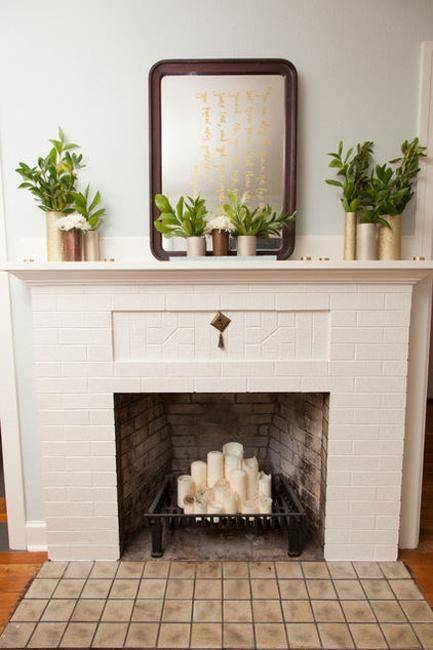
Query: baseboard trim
[36, 534]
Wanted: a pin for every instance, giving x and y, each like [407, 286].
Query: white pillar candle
[231, 504]
[238, 483]
[231, 462]
[265, 484]
[251, 468]
[219, 492]
[199, 506]
[215, 467]
[214, 509]
[265, 505]
[249, 507]
[199, 475]
[189, 505]
[235, 448]
[185, 488]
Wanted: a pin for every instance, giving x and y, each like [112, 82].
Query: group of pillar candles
[228, 484]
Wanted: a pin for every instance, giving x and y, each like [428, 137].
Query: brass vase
[54, 237]
[220, 242]
[247, 245]
[91, 246]
[195, 246]
[350, 236]
[366, 241]
[73, 243]
[390, 238]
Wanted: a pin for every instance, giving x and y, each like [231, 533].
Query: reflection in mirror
[223, 132]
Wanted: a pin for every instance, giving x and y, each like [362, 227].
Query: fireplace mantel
[215, 272]
[358, 331]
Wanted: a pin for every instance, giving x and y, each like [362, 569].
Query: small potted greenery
[390, 189]
[188, 221]
[352, 168]
[219, 228]
[251, 224]
[88, 208]
[52, 182]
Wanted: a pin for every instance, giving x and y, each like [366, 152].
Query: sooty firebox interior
[160, 434]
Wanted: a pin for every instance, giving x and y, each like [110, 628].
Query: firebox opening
[162, 433]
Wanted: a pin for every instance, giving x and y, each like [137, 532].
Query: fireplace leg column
[156, 528]
[295, 537]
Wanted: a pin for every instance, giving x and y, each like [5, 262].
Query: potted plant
[353, 169]
[248, 224]
[186, 221]
[390, 190]
[72, 227]
[220, 228]
[52, 182]
[89, 208]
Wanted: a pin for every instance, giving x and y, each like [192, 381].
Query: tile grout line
[167, 578]
[134, 600]
[280, 603]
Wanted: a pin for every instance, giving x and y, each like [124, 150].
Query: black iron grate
[287, 514]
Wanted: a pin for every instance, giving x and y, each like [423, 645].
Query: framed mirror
[223, 124]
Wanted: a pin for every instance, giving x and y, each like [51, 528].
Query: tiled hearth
[160, 604]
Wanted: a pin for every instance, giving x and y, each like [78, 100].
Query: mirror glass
[221, 132]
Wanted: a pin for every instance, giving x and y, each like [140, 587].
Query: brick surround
[363, 366]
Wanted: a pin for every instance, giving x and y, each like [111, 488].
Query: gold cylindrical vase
[390, 238]
[366, 241]
[350, 236]
[247, 245]
[196, 246]
[54, 237]
[91, 246]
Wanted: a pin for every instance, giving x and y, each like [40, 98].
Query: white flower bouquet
[220, 222]
[73, 221]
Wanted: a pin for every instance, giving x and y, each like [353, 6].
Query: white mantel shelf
[211, 272]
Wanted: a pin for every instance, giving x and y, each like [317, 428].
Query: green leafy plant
[188, 219]
[352, 168]
[260, 222]
[52, 179]
[391, 185]
[88, 207]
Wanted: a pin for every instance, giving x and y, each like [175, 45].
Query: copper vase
[73, 245]
[220, 242]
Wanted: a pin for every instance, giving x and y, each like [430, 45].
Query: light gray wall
[84, 65]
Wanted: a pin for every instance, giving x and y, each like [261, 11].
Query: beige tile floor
[163, 604]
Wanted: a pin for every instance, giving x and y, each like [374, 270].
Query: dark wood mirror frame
[224, 67]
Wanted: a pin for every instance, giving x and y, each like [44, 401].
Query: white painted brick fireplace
[349, 338]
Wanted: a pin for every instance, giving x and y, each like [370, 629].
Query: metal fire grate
[287, 514]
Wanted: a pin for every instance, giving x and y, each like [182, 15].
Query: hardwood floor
[420, 561]
[16, 571]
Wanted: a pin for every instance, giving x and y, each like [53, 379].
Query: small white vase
[55, 248]
[366, 241]
[91, 246]
[247, 245]
[196, 246]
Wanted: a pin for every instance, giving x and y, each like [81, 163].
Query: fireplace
[297, 338]
[160, 434]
